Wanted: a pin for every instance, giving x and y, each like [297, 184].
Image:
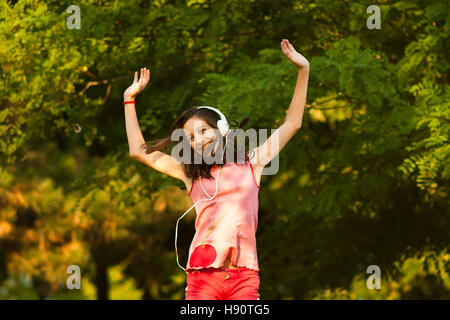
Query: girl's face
[200, 134]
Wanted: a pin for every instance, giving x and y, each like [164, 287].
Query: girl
[222, 263]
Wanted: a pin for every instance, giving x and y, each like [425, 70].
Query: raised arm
[157, 160]
[293, 121]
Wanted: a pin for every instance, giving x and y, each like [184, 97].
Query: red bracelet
[129, 102]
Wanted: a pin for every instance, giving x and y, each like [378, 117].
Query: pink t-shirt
[228, 222]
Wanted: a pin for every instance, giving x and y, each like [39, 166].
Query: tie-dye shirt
[227, 224]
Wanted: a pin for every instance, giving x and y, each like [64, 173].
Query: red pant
[226, 284]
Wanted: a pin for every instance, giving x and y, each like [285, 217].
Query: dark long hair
[192, 170]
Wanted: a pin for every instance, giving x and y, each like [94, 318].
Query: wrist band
[125, 102]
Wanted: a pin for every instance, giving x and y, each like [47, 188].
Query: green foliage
[365, 181]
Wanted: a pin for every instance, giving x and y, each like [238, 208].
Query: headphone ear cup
[223, 127]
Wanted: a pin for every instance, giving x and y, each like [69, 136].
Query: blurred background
[364, 182]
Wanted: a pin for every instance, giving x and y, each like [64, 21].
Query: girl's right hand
[137, 86]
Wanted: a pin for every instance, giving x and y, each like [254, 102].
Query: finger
[290, 46]
[286, 48]
[140, 78]
[283, 47]
[135, 77]
[146, 76]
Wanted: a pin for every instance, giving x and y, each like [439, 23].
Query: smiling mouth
[213, 152]
[203, 147]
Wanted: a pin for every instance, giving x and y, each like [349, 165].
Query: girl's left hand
[295, 57]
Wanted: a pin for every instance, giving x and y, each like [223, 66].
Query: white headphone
[222, 123]
[224, 127]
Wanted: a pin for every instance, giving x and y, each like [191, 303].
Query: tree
[363, 182]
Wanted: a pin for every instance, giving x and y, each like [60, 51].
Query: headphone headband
[222, 117]
[222, 124]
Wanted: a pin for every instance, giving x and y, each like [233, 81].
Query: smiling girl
[222, 263]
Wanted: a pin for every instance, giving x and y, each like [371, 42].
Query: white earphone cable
[210, 198]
